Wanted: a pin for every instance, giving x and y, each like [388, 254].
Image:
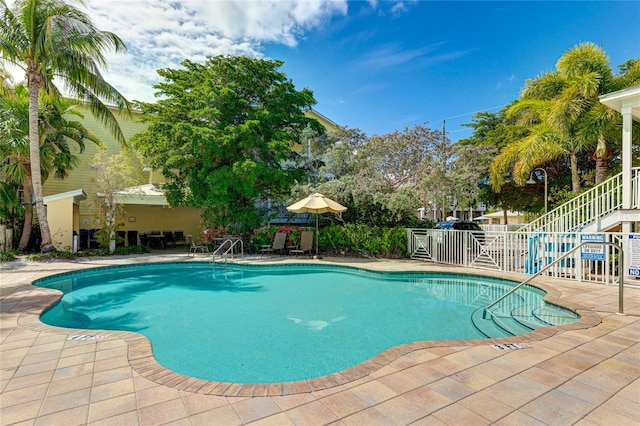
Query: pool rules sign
[634, 252]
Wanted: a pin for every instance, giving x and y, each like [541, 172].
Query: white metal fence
[519, 252]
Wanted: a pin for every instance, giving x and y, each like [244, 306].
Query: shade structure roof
[77, 195]
[149, 194]
[499, 214]
[629, 97]
[316, 203]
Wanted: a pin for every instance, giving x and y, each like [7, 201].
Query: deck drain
[511, 346]
[86, 337]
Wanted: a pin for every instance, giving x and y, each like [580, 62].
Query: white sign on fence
[592, 251]
[634, 255]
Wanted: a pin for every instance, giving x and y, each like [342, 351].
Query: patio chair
[306, 244]
[132, 238]
[169, 239]
[196, 247]
[278, 244]
[120, 238]
[178, 237]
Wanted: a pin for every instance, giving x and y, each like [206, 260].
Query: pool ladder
[227, 247]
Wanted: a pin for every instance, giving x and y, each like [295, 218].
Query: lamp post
[531, 181]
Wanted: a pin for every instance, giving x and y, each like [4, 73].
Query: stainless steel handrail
[564, 255]
[233, 242]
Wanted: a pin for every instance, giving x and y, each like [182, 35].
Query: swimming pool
[266, 324]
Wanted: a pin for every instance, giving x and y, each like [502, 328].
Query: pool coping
[141, 359]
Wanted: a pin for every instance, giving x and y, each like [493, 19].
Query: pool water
[270, 324]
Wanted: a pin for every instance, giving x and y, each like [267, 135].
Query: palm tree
[55, 153]
[601, 124]
[554, 106]
[52, 38]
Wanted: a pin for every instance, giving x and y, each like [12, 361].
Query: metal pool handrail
[604, 243]
[233, 242]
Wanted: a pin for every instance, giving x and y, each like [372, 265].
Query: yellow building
[71, 202]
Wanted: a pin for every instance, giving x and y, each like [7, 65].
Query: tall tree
[600, 127]
[495, 130]
[221, 133]
[112, 173]
[53, 38]
[55, 129]
[556, 106]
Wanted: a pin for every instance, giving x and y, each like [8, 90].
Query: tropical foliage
[56, 129]
[385, 179]
[228, 126]
[364, 240]
[111, 174]
[563, 116]
[53, 38]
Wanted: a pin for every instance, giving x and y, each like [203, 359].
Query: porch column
[626, 161]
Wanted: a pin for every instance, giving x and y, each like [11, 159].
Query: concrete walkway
[586, 373]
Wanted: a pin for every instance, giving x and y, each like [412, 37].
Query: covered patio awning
[77, 195]
[148, 195]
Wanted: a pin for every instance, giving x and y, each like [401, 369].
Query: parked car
[444, 225]
[475, 229]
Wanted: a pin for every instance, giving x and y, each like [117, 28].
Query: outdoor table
[157, 240]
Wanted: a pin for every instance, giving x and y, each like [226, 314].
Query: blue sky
[381, 71]
[374, 65]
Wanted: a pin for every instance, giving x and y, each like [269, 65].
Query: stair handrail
[233, 242]
[564, 255]
[598, 201]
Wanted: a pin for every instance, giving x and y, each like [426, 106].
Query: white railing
[494, 228]
[519, 252]
[597, 202]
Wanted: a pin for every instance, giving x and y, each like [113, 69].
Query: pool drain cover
[511, 346]
[86, 337]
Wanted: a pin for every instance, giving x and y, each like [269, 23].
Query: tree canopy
[221, 133]
[564, 117]
[53, 38]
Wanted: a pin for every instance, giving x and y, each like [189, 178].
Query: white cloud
[162, 33]
[399, 8]
[391, 55]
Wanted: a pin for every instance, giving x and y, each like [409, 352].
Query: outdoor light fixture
[532, 181]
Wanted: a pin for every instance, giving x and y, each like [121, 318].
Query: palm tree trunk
[28, 214]
[34, 158]
[602, 169]
[575, 179]
[601, 156]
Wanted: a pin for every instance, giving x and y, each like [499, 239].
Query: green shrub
[364, 240]
[131, 250]
[56, 254]
[8, 256]
[59, 254]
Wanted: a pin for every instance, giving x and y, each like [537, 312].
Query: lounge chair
[278, 244]
[306, 244]
[196, 247]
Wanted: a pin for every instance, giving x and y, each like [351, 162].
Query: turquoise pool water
[272, 324]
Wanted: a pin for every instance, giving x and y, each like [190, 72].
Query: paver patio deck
[586, 373]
